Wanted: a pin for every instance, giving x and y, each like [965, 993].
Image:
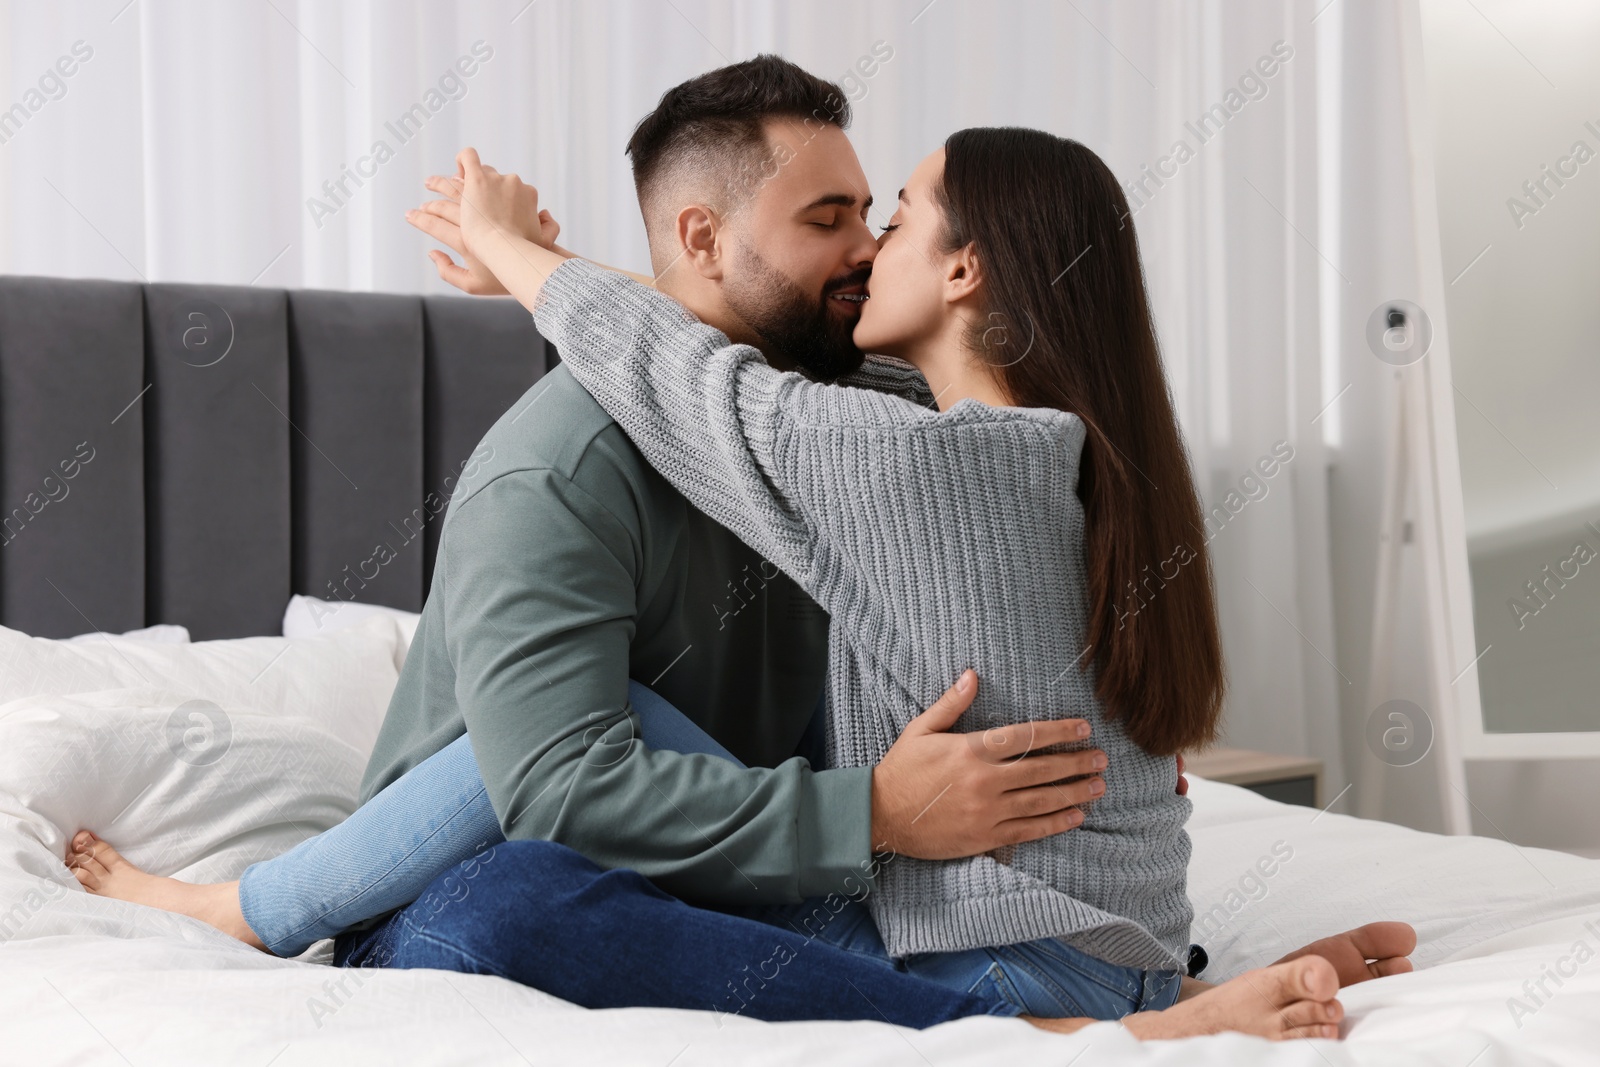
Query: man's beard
[795, 325]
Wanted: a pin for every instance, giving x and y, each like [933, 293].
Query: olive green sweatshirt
[568, 566]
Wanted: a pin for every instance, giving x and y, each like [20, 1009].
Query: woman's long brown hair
[1062, 283]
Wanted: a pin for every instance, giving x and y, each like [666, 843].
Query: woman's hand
[494, 222]
[503, 206]
[495, 206]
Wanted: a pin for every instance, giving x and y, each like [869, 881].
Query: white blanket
[1508, 965]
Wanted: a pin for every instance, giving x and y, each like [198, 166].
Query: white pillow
[341, 682]
[162, 634]
[310, 617]
[180, 786]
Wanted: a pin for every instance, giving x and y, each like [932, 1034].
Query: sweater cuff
[834, 836]
[562, 285]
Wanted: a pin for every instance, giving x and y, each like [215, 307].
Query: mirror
[1515, 100]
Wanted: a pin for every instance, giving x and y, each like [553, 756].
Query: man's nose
[864, 246]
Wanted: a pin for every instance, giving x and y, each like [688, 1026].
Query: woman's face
[906, 305]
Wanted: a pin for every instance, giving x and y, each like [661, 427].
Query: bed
[213, 499]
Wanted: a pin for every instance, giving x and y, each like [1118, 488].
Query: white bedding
[86, 980]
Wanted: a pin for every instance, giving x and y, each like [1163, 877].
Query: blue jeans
[1047, 978]
[383, 857]
[540, 914]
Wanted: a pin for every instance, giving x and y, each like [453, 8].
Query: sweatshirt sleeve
[542, 664]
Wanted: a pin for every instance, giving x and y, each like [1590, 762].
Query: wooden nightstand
[1291, 779]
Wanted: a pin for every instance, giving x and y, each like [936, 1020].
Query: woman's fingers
[445, 232]
[453, 273]
[489, 200]
[448, 210]
[449, 188]
[549, 228]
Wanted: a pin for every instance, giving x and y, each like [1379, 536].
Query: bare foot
[1287, 1000]
[101, 870]
[1371, 951]
[1284, 1001]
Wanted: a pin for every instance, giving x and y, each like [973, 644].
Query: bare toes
[1394, 965]
[78, 847]
[90, 872]
[1384, 939]
[1305, 978]
[101, 851]
[1311, 1013]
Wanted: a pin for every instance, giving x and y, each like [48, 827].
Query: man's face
[800, 250]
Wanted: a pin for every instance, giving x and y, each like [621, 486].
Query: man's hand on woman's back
[940, 795]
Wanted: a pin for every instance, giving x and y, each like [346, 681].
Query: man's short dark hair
[714, 123]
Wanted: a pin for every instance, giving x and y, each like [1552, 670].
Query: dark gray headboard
[194, 454]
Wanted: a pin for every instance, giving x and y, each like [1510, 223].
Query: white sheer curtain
[210, 142]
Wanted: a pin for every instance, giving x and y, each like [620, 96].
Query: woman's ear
[698, 230]
[962, 275]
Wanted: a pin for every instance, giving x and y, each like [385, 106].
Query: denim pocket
[1061, 959]
[994, 986]
[1161, 989]
[1052, 978]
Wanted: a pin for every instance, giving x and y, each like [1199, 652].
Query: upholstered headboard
[194, 454]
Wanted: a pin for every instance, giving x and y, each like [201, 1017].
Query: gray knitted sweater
[936, 541]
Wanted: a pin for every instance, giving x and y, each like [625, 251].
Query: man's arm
[539, 605]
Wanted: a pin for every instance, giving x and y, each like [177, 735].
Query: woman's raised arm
[709, 415]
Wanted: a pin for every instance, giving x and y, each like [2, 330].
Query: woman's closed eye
[890, 228]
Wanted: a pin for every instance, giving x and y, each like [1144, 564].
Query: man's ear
[962, 275]
[698, 232]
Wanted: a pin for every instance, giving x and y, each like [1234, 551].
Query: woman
[942, 537]
[948, 536]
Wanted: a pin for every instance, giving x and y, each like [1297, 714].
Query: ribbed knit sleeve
[670, 382]
[885, 374]
[780, 460]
